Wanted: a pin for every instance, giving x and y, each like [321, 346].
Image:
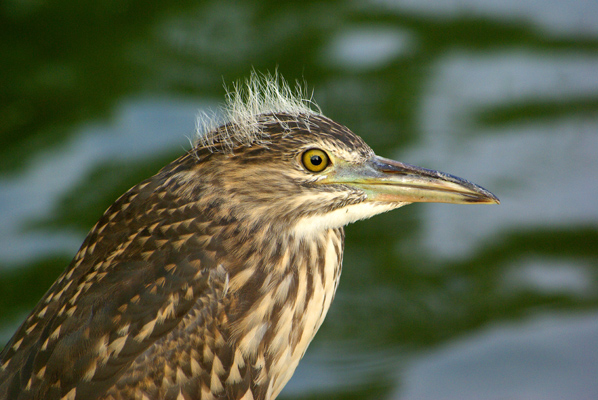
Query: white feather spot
[252, 339]
[117, 345]
[146, 331]
[70, 395]
[234, 375]
[56, 333]
[40, 374]
[247, 396]
[17, 344]
[195, 367]
[90, 372]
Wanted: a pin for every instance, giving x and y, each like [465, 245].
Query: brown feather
[193, 283]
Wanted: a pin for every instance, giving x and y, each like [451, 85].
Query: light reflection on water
[547, 357]
[436, 300]
[558, 156]
[552, 16]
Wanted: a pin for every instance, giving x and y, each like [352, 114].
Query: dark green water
[436, 301]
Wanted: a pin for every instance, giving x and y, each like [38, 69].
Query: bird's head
[276, 160]
[300, 170]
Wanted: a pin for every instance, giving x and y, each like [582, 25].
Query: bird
[210, 279]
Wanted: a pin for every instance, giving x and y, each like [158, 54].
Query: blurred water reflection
[546, 358]
[436, 301]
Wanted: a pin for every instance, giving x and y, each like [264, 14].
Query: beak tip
[485, 197]
[492, 199]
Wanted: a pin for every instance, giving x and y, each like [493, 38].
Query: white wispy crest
[249, 105]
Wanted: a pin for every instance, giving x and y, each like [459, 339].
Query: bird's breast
[293, 303]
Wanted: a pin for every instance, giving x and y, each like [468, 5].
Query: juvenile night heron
[210, 279]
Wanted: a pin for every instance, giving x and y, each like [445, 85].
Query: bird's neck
[280, 297]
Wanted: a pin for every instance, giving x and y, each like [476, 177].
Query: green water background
[436, 301]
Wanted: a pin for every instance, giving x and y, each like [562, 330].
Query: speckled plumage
[210, 279]
[183, 278]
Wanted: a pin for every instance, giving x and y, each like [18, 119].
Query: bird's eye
[315, 160]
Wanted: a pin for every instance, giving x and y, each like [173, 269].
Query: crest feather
[249, 105]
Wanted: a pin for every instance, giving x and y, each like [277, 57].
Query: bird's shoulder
[142, 267]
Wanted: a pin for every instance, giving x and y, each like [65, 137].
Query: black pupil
[316, 160]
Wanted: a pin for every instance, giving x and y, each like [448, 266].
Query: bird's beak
[390, 181]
